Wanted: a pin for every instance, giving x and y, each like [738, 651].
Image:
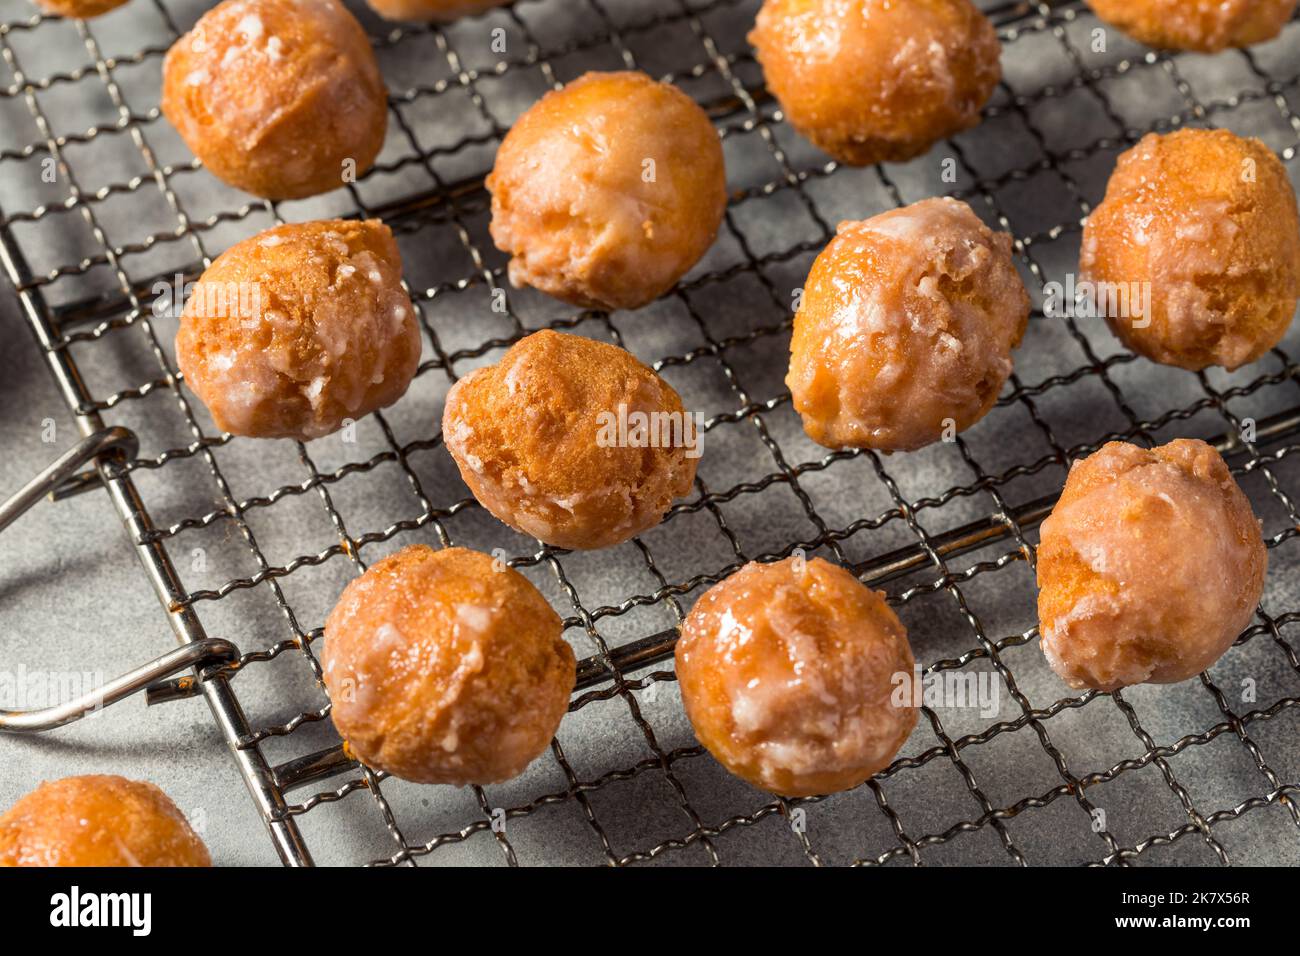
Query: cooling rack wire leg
[201, 654]
[62, 477]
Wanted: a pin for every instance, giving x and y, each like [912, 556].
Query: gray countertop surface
[73, 598]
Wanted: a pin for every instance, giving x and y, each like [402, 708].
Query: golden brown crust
[607, 191]
[81, 9]
[292, 331]
[529, 436]
[436, 10]
[279, 98]
[905, 328]
[1205, 25]
[1207, 221]
[446, 667]
[870, 81]
[98, 820]
[791, 675]
[1149, 566]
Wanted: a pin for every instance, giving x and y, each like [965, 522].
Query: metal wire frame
[606, 675]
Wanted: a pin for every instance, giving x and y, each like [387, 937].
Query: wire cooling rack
[105, 213]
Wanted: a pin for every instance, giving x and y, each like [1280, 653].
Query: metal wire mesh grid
[221, 565]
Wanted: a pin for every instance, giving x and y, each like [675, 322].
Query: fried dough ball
[81, 9]
[797, 677]
[871, 81]
[422, 10]
[607, 191]
[572, 441]
[446, 667]
[280, 98]
[98, 820]
[1204, 224]
[905, 329]
[292, 331]
[1204, 25]
[1149, 566]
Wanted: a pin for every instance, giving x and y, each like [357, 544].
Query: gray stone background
[73, 597]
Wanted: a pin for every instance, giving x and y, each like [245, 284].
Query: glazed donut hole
[279, 98]
[607, 191]
[446, 667]
[905, 329]
[1206, 26]
[81, 9]
[1149, 566]
[98, 820]
[297, 330]
[872, 81]
[442, 11]
[1202, 225]
[788, 673]
[572, 441]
